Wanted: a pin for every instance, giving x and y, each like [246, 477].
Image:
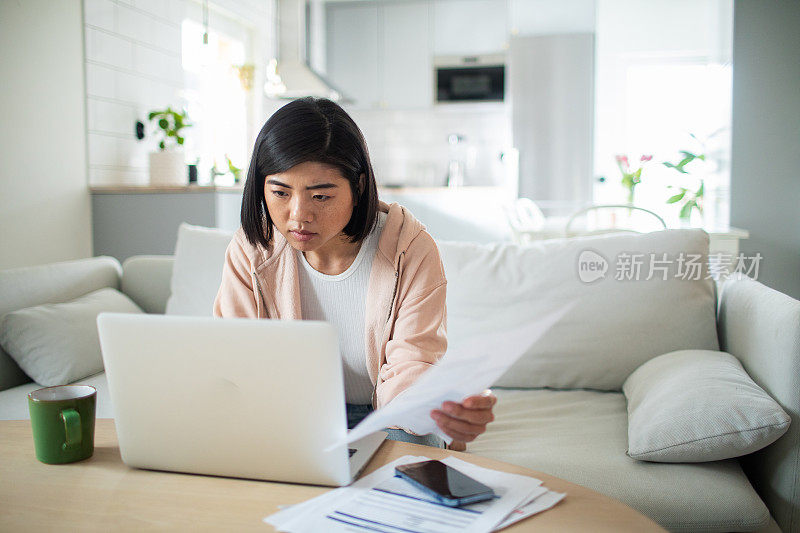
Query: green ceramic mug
[62, 419]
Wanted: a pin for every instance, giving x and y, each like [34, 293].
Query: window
[663, 84]
[674, 106]
[216, 100]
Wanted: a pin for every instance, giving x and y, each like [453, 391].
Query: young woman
[316, 244]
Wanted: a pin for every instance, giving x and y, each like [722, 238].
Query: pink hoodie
[406, 318]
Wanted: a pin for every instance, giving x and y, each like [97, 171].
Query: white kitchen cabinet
[547, 17]
[551, 80]
[405, 62]
[380, 55]
[352, 47]
[470, 27]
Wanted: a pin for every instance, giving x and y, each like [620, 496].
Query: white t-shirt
[341, 301]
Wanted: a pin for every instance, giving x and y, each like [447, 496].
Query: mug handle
[72, 427]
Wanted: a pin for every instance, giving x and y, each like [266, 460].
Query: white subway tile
[192, 10]
[167, 36]
[100, 81]
[111, 117]
[88, 43]
[174, 70]
[117, 176]
[135, 176]
[178, 10]
[160, 95]
[99, 177]
[151, 62]
[129, 87]
[91, 114]
[134, 24]
[133, 153]
[102, 149]
[153, 96]
[110, 49]
[99, 13]
[159, 8]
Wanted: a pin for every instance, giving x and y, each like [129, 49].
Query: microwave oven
[469, 79]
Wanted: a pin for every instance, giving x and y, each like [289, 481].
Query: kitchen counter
[162, 189]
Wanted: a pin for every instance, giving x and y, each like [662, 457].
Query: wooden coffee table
[102, 493]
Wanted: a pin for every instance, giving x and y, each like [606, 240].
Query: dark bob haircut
[309, 130]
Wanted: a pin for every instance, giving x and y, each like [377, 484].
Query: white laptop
[257, 399]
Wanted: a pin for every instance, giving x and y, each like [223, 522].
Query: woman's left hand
[466, 420]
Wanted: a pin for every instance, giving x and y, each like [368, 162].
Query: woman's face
[310, 204]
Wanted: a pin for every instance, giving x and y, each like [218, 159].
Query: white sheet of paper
[540, 499]
[541, 503]
[456, 376]
[361, 507]
[283, 519]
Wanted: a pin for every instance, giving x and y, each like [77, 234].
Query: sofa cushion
[197, 270]
[580, 436]
[52, 283]
[615, 326]
[146, 280]
[14, 401]
[698, 405]
[56, 344]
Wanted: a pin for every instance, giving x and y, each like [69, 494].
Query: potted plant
[167, 166]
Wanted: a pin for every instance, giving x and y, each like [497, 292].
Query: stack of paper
[385, 503]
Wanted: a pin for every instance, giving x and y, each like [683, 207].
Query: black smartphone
[446, 484]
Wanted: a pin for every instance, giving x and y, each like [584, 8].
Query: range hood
[288, 75]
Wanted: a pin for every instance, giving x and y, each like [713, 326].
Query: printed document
[383, 502]
[456, 376]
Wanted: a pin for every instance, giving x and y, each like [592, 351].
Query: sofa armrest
[761, 327]
[146, 280]
[46, 284]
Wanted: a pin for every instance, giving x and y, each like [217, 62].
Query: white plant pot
[168, 168]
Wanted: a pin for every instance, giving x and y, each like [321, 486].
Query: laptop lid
[259, 399]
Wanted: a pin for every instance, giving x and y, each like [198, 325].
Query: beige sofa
[557, 422]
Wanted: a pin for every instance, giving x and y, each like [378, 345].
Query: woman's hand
[466, 420]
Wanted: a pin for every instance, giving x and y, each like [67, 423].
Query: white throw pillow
[56, 344]
[693, 406]
[197, 271]
[614, 325]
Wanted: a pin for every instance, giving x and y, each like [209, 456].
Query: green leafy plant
[688, 199]
[170, 123]
[236, 171]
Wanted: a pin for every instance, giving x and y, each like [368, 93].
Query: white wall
[410, 147]
[133, 66]
[44, 200]
[765, 163]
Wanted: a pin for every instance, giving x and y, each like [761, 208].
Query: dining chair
[612, 218]
[525, 219]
